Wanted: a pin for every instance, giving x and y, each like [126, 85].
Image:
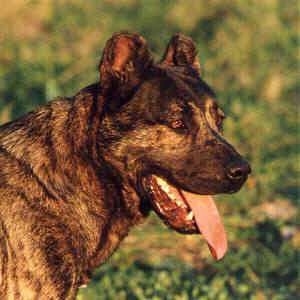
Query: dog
[79, 172]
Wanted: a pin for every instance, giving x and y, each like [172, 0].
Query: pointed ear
[181, 51]
[125, 60]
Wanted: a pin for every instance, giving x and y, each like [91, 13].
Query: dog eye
[220, 118]
[178, 124]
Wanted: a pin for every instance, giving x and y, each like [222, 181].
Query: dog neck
[57, 146]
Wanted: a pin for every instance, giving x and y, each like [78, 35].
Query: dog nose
[238, 170]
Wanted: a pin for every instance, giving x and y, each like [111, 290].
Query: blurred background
[248, 50]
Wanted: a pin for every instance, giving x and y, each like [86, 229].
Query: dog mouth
[188, 213]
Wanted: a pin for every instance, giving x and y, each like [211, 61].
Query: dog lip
[235, 185]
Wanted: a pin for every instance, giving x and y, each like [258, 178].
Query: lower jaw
[186, 212]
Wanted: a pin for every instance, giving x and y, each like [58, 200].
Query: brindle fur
[70, 177]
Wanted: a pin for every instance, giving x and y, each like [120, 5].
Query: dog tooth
[163, 185]
[165, 188]
[190, 216]
[160, 181]
[179, 203]
[172, 197]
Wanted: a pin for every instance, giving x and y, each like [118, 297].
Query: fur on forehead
[180, 84]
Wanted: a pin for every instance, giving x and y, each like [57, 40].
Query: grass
[157, 263]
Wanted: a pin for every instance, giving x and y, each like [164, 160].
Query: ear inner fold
[125, 59]
[122, 54]
[181, 51]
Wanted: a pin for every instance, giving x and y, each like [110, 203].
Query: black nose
[238, 170]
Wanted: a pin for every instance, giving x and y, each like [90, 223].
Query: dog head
[162, 129]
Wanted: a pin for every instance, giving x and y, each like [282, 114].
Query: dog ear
[181, 51]
[125, 59]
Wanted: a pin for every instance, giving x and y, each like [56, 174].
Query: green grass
[157, 263]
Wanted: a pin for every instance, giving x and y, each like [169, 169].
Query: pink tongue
[209, 222]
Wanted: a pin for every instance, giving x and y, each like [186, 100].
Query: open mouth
[188, 213]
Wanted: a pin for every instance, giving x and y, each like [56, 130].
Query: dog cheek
[160, 139]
